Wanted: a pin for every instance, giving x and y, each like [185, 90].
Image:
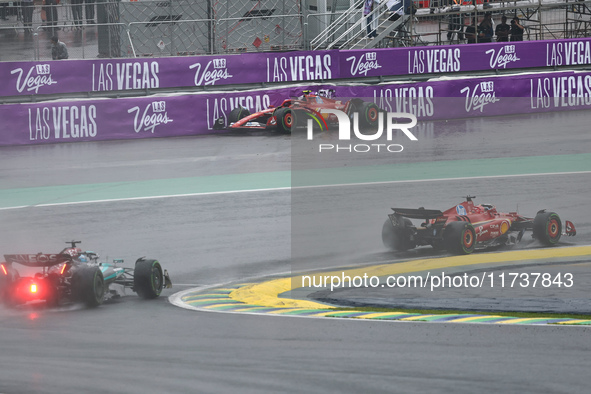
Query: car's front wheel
[547, 228]
[147, 278]
[285, 119]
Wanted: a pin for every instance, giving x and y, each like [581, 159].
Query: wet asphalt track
[134, 346]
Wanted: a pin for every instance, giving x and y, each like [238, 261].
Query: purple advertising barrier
[458, 58]
[127, 118]
[68, 76]
[475, 97]
[74, 76]
[192, 114]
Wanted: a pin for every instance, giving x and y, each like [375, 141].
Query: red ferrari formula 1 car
[467, 226]
[295, 112]
[75, 276]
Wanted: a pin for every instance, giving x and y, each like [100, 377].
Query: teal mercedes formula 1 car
[75, 276]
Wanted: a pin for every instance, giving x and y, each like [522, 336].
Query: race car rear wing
[37, 260]
[420, 213]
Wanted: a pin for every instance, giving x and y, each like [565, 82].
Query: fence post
[540, 20]
[36, 46]
[304, 22]
[210, 28]
[171, 27]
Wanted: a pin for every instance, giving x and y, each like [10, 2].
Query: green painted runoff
[456, 169]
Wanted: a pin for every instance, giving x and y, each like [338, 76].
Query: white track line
[291, 188]
[144, 198]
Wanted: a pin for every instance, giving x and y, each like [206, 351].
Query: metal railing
[342, 18]
[359, 30]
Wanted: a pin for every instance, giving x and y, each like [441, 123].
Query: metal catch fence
[152, 28]
[128, 28]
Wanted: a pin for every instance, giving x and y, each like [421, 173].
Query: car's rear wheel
[547, 228]
[6, 294]
[397, 237]
[9, 300]
[52, 298]
[8, 282]
[88, 286]
[368, 114]
[238, 113]
[459, 238]
[354, 105]
[147, 278]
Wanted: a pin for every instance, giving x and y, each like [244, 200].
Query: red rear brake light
[33, 288]
[4, 269]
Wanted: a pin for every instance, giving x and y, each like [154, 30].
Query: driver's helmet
[305, 95]
[82, 258]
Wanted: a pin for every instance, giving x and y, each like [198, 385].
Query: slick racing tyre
[547, 228]
[368, 115]
[397, 237]
[285, 120]
[88, 286]
[52, 297]
[238, 113]
[148, 279]
[459, 238]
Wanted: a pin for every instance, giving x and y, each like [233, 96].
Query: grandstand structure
[156, 28]
[578, 19]
[436, 22]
